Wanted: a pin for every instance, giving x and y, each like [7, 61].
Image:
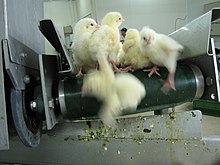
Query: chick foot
[80, 73]
[152, 71]
[114, 67]
[127, 69]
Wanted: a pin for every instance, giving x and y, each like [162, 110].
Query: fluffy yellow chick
[162, 51]
[82, 32]
[105, 41]
[133, 57]
[117, 92]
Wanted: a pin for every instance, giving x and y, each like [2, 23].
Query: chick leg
[171, 81]
[169, 84]
[126, 69]
[152, 71]
[80, 73]
[115, 68]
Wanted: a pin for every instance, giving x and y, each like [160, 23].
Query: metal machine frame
[200, 50]
[4, 139]
[20, 65]
[28, 79]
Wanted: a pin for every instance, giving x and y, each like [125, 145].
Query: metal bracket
[49, 75]
[52, 35]
[16, 72]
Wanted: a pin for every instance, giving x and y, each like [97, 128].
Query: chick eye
[144, 38]
[91, 24]
[119, 18]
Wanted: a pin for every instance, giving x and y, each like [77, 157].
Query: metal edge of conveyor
[48, 74]
[199, 81]
[62, 98]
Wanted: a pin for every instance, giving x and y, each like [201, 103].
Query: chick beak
[149, 40]
[97, 26]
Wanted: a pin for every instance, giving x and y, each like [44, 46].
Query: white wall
[62, 13]
[65, 13]
[158, 14]
[83, 8]
[196, 8]
[163, 15]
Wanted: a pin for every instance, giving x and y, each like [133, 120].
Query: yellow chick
[82, 32]
[105, 41]
[133, 58]
[118, 93]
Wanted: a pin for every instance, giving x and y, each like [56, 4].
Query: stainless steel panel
[170, 126]
[21, 26]
[64, 145]
[194, 36]
[56, 151]
[4, 140]
[49, 75]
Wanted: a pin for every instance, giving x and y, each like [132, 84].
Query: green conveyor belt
[186, 83]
